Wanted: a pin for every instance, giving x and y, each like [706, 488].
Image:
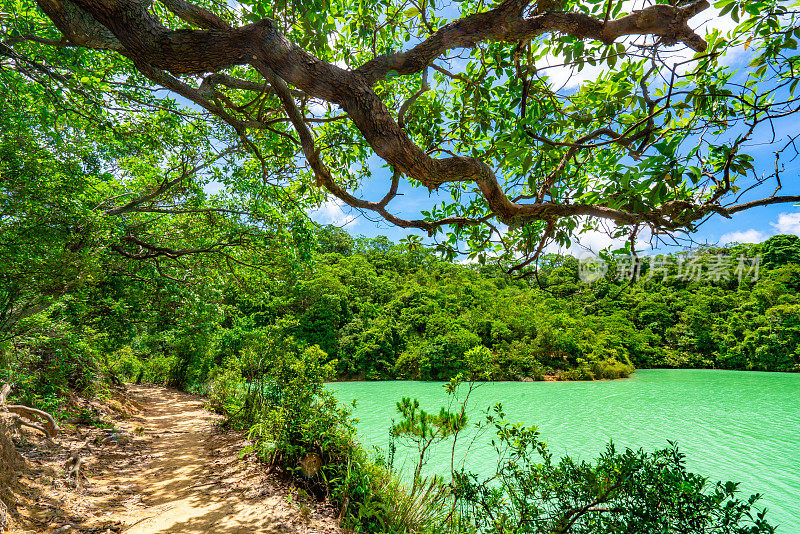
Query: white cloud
[747, 236]
[588, 243]
[568, 78]
[332, 212]
[563, 77]
[788, 223]
[317, 107]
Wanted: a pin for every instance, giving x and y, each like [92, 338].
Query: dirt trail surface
[166, 469]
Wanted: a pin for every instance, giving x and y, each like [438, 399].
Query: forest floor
[166, 466]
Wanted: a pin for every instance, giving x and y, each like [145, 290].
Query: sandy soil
[166, 469]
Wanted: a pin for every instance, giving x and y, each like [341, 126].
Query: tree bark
[11, 463]
[130, 28]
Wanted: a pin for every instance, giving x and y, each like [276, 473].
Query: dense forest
[378, 310]
[161, 161]
[383, 312]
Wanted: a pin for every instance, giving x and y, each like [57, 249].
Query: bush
[227, 388]
[442, 357]
[53, 358]
[611, 369]
[630, 491]
[300, 428]
[158, 369]
[517, 360]
[126, 365]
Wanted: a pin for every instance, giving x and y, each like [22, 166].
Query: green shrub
[517, 360]
[51, 359]
[409, 364]
[298, 419]
[611, 369]
[442, 357]
[158, 369]
[227, 390]
[582, 372]
[531, 492]
[125, 364]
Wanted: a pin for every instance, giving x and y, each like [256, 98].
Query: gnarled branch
[36, 419]
[128, 27]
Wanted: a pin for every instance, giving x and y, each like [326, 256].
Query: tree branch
[506, 23]
[762, 202]
[154, 48]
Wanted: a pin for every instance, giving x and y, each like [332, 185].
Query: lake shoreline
[557, 378]
[718, 417]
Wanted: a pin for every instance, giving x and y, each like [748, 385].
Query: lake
[732, 425]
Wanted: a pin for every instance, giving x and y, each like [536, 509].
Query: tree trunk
[11, 462]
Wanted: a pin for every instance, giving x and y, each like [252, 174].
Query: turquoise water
[732, 425]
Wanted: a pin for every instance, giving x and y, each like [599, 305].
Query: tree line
[379, 310]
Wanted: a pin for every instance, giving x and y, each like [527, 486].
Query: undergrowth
[276, 390]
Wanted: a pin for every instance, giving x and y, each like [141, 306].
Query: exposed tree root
[10, 460]
[48, 426]
[36, 419]
[74, 463]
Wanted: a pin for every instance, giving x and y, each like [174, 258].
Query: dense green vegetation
[262, 341]
[379, 311]
[382, 312]
[386, 313]
[118, 264]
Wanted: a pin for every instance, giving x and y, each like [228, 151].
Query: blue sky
[750, 226]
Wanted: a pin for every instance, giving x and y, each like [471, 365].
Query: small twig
[142, 520]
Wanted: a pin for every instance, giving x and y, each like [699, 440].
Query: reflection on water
[732, 425]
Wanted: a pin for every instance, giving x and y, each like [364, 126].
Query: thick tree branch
[154, 49]
[78, 26]
[506, 23]
[194, 14]
[762, 202]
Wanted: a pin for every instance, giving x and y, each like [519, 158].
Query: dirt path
[172, 470]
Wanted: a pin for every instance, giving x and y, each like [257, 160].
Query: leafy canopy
[535, 120]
